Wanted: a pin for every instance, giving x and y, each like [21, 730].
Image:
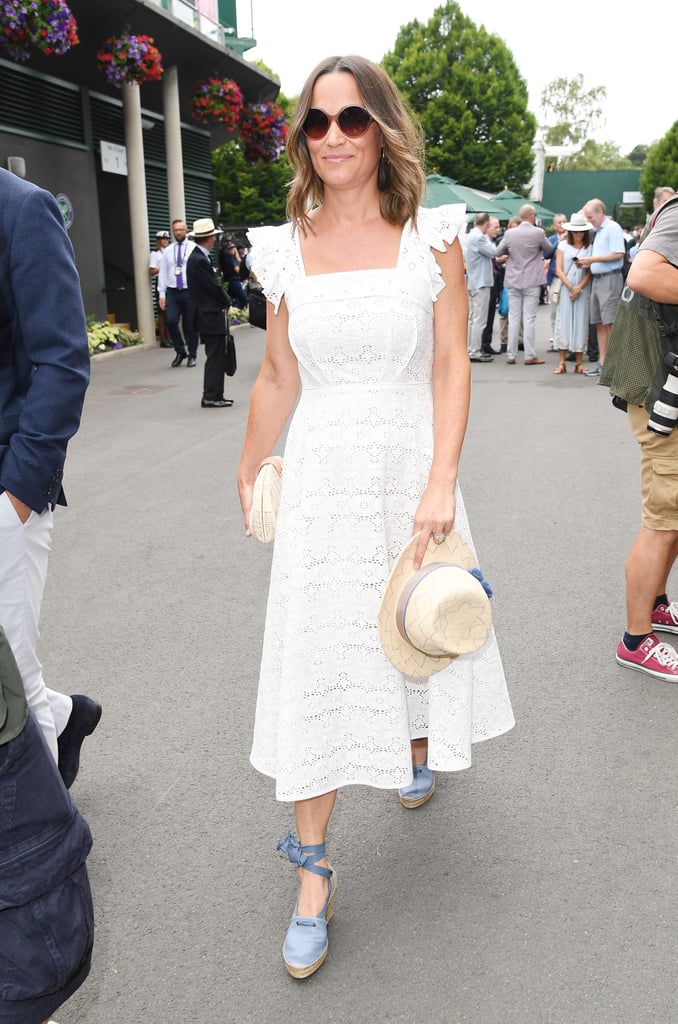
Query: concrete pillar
[138, 211]
[175, 160]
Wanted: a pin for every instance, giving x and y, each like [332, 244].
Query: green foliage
[638, 155]
[464, 85]
[104, 337]
[252, 194]
[661, 167]
[596, 156]
[572, 112]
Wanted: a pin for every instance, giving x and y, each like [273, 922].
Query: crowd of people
[579, 268]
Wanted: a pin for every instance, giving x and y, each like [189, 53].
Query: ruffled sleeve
[437, 228]
[273, 260]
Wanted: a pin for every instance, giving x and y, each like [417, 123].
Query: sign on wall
[113, 158]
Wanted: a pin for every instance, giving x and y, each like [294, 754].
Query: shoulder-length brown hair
[403, 144]
[587, 238]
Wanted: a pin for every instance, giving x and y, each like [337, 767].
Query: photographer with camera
[642, 373]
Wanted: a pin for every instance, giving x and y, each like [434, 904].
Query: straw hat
[429, 617]
[578, 222]
[204, 228]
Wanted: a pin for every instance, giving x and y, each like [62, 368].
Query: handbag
[231, 359]
[503, 304]
[266, 499]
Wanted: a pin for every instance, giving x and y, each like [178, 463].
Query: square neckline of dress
[406, 231]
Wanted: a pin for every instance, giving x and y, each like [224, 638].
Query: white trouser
[478, 305]
[24, 550]
[523, 305]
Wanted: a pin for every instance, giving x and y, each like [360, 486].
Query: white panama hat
[431, 616]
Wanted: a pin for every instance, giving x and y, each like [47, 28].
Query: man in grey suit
[526, 246]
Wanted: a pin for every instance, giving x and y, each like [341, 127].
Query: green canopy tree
[596, 156]
[661, 167]
[465, 87]
[252, 194]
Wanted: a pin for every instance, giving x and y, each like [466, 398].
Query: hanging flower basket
[46, 24]
[263, 130]
[218, 99]
[130, 59]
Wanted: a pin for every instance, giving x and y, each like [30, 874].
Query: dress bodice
[364, 327]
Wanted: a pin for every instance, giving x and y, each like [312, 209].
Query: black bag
[257, 304]
[231, 360]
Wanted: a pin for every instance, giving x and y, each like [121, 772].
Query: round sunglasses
[353, 122]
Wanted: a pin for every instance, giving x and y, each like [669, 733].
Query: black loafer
[179, 358]
[191, 361]
[217, 403]
[82, 722]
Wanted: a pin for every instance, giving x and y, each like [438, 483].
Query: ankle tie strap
[305, 856]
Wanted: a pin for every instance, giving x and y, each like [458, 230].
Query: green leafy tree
[638, 155]
[465, 87]
[571, 112]
[661, 167]
[252, 194]
[596, 156]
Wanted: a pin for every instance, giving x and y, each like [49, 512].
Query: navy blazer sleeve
[44, 355]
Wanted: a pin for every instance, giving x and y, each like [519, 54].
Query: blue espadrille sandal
[420, 789]
[305, 947]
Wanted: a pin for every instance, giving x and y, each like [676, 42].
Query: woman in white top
[367, 312]
[575, 291]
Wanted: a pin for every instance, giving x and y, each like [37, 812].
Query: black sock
[633, 642]
[660, 599]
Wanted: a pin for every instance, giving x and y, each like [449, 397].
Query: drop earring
[382, 176]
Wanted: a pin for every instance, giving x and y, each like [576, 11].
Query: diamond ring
[439, 537]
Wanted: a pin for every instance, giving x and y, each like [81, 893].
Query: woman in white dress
[367, 312]
[575, 291]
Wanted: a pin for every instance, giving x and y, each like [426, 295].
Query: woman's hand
[435, 516]
[575, 292]
[245, 491]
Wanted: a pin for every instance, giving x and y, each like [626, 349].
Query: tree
[572, 113]
[252, 194]
[596, 156]
[638, 155]
[463, 84]
[661, 167]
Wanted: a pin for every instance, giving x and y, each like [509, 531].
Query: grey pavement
[539, 887]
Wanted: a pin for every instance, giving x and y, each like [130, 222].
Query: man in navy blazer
[44, 372]
[211, 307]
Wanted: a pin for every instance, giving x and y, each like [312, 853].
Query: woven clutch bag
[266, 499]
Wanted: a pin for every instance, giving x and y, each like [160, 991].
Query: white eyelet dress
[331, 709]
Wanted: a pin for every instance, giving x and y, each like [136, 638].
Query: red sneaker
[665, 617]
[653, 656]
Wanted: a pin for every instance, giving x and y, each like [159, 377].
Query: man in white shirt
[162, 240]
[173, 295]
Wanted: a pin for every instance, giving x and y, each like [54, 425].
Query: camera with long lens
[664, 414]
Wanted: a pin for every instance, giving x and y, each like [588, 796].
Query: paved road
[539, 887]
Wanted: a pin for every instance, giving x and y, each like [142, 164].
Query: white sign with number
[113, 158]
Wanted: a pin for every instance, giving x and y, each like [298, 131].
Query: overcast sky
[619, 46]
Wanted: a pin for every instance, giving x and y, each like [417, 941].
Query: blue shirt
[608, 238]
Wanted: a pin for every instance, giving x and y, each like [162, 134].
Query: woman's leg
[419, 750]
[312, 818]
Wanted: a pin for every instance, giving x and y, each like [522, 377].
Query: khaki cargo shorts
[658, 472]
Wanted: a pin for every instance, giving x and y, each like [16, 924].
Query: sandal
[306, 945]
[579, 368]
[422, 787]
[561, 368]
